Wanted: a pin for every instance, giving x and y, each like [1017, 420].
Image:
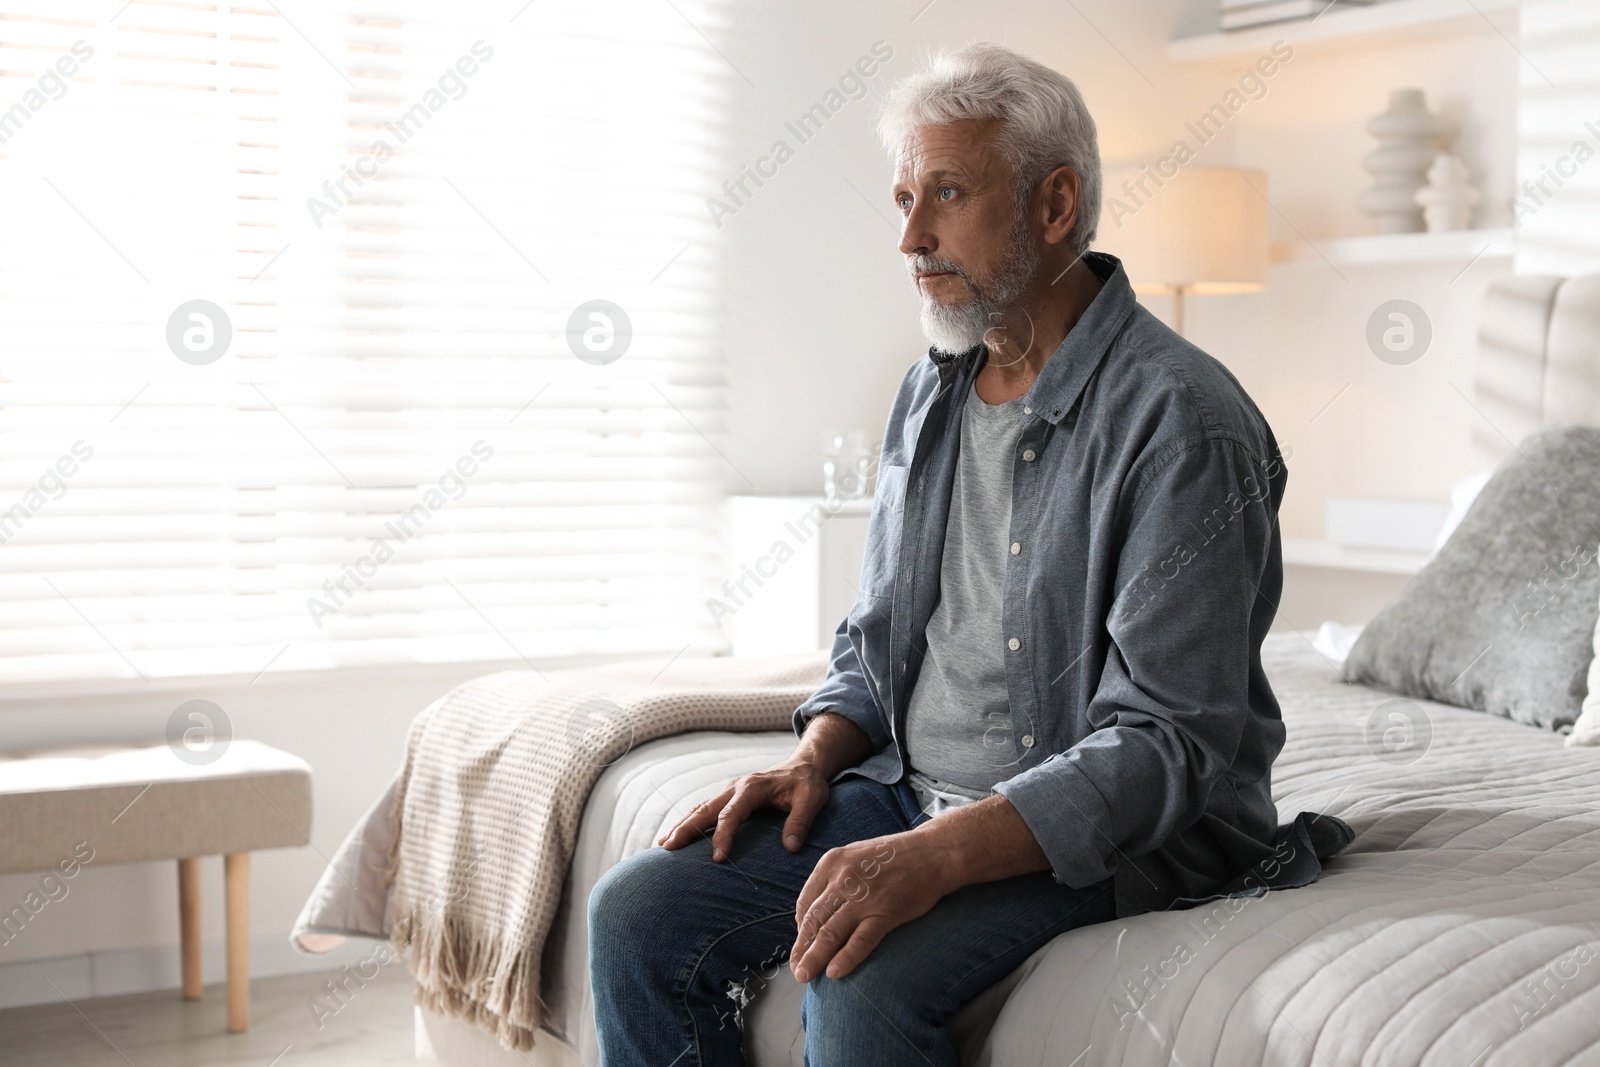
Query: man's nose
[916, 238]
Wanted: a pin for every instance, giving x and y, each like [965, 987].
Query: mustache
[924, 264]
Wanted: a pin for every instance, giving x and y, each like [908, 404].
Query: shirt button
[1027, 411]
[1016, 547]
[1027, 740]
[1029, 456]
[1013, 644]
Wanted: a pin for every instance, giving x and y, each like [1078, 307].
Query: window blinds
[402, 220]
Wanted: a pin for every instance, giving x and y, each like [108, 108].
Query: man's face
[968, 250]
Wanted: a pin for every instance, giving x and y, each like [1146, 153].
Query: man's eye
[946, 193]
[904, 202]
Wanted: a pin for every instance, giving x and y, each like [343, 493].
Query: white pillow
[1335, 640]
[1461, 497]
[1586, 731]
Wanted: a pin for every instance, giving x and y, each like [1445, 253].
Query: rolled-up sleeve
[1174, 695]
[845, 692]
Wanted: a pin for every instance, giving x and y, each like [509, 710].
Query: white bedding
[1474, 870]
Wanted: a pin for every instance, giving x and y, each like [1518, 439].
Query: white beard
[955, 328]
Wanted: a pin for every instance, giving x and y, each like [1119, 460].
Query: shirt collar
[1055, 392]
[1067, 371]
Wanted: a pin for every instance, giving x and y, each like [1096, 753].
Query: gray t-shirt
[958, 724]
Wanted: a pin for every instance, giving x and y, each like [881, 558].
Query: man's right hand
[798, 785]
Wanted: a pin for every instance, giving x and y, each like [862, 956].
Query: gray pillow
[1503, 618]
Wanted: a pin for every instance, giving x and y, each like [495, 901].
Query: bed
[1458, 928]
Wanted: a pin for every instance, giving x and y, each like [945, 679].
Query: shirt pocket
[882, 554]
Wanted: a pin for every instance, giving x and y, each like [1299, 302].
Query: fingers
[837, 943]
[835, 926]
[746, 799]
[815, 885]
[694, 825]
[869, 932]
[817, 904]
[803, 958]
[801, 812]
[723, 814]
[828, 934]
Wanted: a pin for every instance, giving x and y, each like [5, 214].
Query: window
[403, 229]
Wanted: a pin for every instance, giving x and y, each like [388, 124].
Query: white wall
[1397, 431]
[821, 324]
[1559, 225]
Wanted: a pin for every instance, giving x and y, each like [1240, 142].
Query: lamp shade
[1201, 230]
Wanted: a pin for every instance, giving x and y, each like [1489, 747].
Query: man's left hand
[858, 893]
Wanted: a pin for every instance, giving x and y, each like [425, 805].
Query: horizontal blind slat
[187, 514]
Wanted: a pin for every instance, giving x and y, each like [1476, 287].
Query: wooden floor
[159, 1029]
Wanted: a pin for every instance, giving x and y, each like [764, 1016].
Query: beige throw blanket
[494, 782]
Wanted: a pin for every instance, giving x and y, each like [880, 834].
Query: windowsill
[420, 673]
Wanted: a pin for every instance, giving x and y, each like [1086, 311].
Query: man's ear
[1061, 198]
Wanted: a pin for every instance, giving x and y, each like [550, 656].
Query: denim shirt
[1145, 570]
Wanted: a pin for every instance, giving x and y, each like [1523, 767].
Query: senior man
[1047, 707]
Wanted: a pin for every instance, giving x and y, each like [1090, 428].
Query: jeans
[671, 933]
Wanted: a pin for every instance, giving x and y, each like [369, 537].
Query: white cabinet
[795, 565]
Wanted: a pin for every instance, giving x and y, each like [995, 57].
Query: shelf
[1302, 552]
[1454, 247]
[1394, 20]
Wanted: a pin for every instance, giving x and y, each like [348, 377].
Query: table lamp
[1201, 230]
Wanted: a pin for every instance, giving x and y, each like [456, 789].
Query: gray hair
[1044, 121]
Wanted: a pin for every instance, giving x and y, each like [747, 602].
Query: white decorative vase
[1408, 140]
[1447, 200]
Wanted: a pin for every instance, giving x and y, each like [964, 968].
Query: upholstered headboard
[1538, 360]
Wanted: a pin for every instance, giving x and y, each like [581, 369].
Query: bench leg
[189, 925]
[236, 875]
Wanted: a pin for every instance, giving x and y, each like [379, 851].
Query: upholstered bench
[65, 808]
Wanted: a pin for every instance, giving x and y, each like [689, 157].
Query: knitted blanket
[489, 798]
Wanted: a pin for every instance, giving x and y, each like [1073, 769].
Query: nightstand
[796, 562]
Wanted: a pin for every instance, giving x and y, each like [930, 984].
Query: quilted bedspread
[1459, 928]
